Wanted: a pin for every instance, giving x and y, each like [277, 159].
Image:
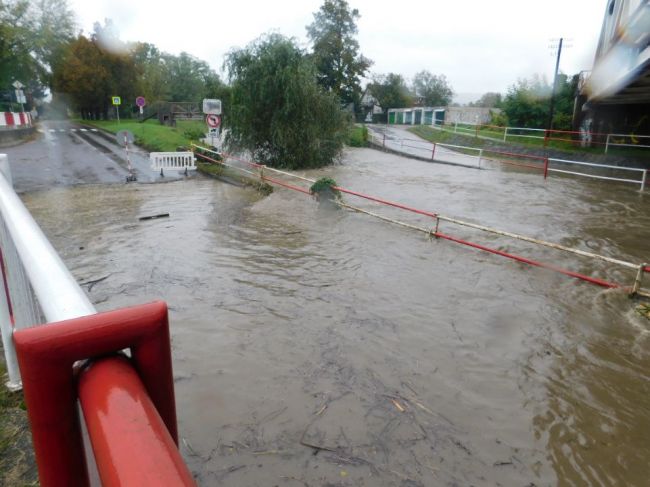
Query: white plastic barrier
[172, 161]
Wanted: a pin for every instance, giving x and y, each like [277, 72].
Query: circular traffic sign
[140, 101]
[213, 121]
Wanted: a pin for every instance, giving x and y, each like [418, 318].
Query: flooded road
[320, 347]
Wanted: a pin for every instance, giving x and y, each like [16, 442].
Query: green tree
[527, 102]
[391, 91]
[567, 88]
[336, 54]
[152, 72]
[89, 76]
[488, 100]
[432, 90]
[278, 110]
[33, 36]
[188, 77]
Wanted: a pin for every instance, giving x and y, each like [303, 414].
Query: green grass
[152, 135]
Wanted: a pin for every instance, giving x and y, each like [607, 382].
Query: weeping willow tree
[278, 111]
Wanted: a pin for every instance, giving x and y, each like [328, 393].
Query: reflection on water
[405, 361]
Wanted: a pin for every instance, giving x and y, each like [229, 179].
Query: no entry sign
[213, 121]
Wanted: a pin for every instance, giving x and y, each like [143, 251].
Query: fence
[172, 161]
[642, 172]
[130, 416]
[480, 159]
[639, 269]
[438, 152]
[544, 137]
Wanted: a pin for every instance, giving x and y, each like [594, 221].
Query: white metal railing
[172, 161]
[542, 134]
[609, 143]
[459, 155]
[37, 286]
[641, 181]
[437, 152]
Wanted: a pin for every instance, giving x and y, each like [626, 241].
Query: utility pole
[552, 106]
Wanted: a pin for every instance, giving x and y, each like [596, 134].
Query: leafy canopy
[391, 91]
[33, 35]
[432, 90]
[336, 56]
[278, 111]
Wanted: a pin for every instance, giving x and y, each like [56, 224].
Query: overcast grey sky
[479, 45]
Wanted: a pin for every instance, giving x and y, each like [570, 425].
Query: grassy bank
[153, 136]
[17, 463]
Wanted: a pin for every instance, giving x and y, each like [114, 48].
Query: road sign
[213, 121]
[18, 85]
[116, 100]
[20, 96]
[211, 107]
[140, 101]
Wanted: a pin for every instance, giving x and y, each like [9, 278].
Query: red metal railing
[128, 404]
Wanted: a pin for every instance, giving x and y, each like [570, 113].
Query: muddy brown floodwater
[319, 347]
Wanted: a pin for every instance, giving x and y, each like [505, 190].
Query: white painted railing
[641, 172]
[36, 287]
[172, 161]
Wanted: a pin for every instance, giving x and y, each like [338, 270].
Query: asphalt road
[65, 154]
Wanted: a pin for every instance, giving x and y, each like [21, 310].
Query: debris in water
[153, 217]
[644, 310]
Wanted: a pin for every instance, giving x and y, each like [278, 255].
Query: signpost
[212, 109]
[141, 102]
[117, 101]
[125, 137]
[20, 95]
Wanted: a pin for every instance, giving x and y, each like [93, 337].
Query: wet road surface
[66, 153]
[320, 347]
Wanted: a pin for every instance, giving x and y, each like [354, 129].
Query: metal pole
[645, 173]
[637, 280]
[552, 106]
[480, 156]
[117, 110]
[607, 143]
[433, 151]
[545, 167]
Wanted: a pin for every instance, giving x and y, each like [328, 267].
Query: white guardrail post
[32, 268]
[607, 143]
[505, 134]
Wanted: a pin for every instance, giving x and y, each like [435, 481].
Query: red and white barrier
[15, 119]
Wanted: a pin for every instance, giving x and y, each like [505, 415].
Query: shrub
[357, 136]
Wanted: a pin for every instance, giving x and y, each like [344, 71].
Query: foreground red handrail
[46, 355]
[130, 442]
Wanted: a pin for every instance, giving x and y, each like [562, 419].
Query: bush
[194, 133]
[357, 136]
[324, 186]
